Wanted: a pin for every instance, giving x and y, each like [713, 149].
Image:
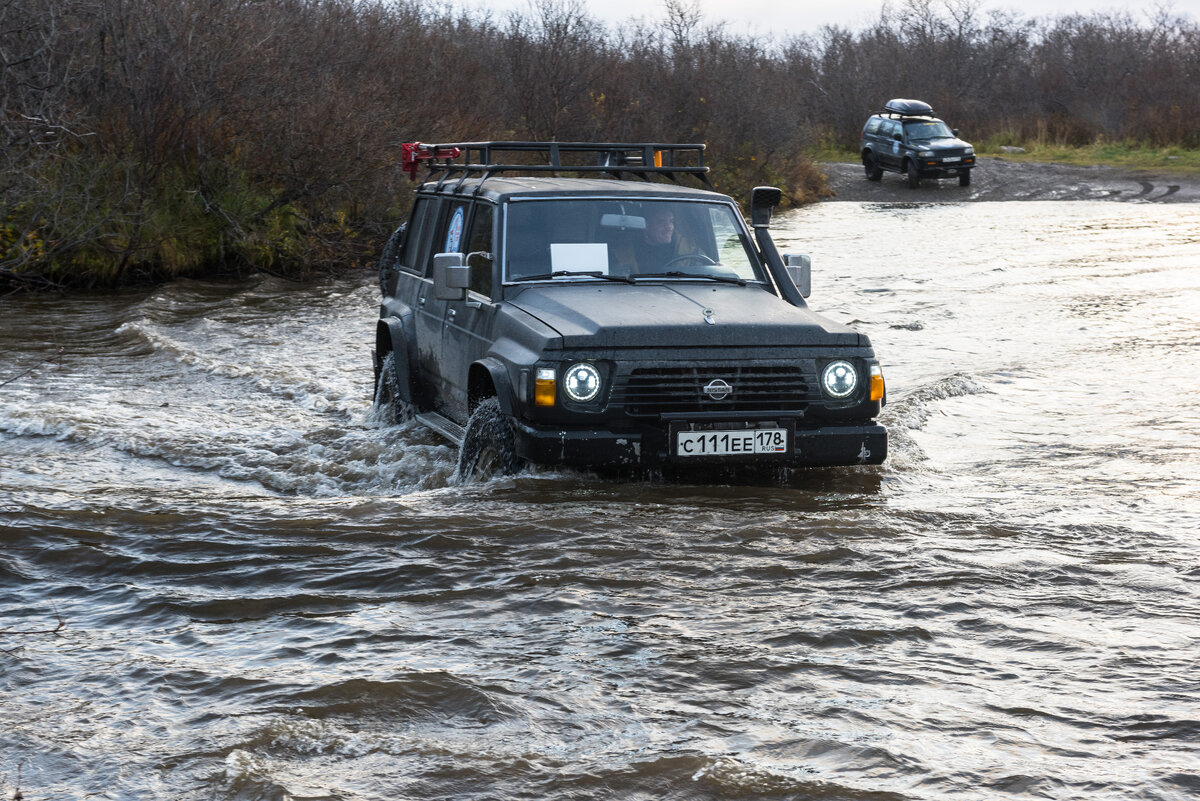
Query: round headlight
[581, 382]
[839, 379]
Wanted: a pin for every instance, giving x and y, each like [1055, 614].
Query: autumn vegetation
[147, 139]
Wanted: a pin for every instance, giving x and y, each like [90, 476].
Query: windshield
[932, 129]
[607, 238]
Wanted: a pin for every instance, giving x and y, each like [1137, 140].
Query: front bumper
[929, 168]
[827, 446]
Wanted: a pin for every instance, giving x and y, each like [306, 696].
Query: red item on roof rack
[413, 153]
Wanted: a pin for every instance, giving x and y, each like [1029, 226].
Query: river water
[261, 593]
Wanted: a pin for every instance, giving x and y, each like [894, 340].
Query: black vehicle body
[701, 363]
[907, 138]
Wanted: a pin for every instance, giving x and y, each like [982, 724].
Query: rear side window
[420, 227]
[873, 125]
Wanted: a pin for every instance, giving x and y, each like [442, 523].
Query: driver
[659, 243]
[658, 239]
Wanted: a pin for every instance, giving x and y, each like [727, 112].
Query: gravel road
[999, 179]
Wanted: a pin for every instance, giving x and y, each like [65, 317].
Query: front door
[468, 331]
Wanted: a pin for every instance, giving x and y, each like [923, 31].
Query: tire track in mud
[1148, 188]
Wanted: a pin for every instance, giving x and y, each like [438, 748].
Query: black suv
[610, 321]
[906, 138]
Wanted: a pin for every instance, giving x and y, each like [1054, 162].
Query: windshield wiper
[624, 279]
[725, 279]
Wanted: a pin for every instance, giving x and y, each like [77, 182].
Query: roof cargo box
[908, 108]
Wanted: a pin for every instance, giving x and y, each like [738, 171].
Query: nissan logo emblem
[718, 389]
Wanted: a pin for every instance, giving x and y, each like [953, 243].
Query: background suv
[906, 138]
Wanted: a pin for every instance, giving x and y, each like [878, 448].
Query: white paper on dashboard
[580, 257]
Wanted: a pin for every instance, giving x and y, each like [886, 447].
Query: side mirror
[955, 132]
[799, 268]
[898, 137]
[451, 276]
[762, 200]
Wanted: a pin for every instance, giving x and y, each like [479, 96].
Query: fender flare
[392, 336]
[488, 377]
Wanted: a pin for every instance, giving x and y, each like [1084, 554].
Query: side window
[480, 240]
[873, 125]
[731, 248]
[456, 223]
[448, 234]
[416, 241]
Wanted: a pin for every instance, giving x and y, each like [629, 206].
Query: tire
[488, 448]
[914, 177]
[964, 178]
[873, 171]
[390, 398]
[387, 261]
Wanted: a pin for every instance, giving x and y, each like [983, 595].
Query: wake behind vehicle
[906, 138]
[610, 319]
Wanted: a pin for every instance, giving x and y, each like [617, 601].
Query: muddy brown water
[265, 594]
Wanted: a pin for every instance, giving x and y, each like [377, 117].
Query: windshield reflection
[599, 238]
[933, 129]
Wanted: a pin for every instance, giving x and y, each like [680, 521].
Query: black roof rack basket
[643, 160]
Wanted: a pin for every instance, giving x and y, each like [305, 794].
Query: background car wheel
[873, 171]
[964, 179]
[389, 398]
[488, 448]
[914, 177]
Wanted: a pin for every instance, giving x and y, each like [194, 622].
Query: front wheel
[488, 448]
[914, 177]
[964, 179]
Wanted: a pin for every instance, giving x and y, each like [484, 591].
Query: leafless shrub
[151, 138]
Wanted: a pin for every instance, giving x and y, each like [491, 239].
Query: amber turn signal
[876, 382]
[544, 387]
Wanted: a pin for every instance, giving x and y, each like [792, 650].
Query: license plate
[742, 442]
[949, 159]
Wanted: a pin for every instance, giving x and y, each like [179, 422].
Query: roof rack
[485, 159]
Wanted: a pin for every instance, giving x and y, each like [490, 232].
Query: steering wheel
[700, 257]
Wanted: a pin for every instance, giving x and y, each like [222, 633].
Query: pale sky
[781, 18]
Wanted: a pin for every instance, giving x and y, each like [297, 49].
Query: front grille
[650, 391]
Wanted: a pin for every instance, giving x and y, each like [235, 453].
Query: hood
[937, 145]
[589, 315]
